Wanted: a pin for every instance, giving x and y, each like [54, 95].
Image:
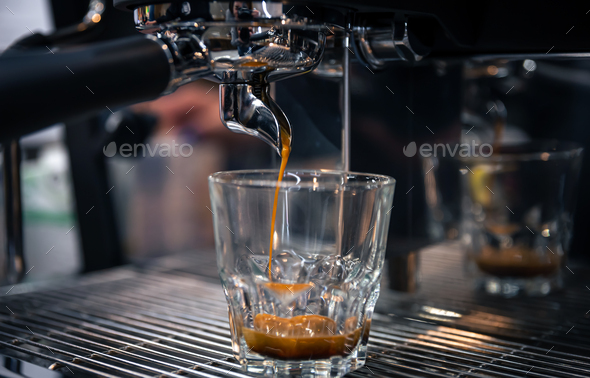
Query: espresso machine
[354, 83]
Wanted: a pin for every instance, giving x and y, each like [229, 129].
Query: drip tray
[169, 319]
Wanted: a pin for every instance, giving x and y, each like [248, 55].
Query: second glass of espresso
[517, 211]
[301, 303]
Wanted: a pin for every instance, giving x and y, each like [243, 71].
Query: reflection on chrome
[441, 312]
[296, 177]
[244, 48]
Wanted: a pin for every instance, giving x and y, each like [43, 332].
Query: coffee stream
[303, 336]
[286, 142]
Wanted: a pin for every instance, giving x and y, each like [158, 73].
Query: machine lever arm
[81, 80]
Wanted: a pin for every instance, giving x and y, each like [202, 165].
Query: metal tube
[13, 223]
[346, 103]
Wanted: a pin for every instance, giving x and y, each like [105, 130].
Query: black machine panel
[455, 28]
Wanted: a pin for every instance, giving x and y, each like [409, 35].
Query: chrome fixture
[244, 53]
[382, 45]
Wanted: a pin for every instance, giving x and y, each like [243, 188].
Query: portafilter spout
[245, 52]
[249, 109]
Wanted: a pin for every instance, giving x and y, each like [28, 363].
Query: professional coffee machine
[385, 74]
[382, 74]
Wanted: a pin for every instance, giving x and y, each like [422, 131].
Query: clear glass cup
[308, 310]
[443, 200]
[517, 209]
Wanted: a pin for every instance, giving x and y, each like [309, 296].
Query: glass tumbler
[517, 208]
[307, 310]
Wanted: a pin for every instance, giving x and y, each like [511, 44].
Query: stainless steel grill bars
[170, 320]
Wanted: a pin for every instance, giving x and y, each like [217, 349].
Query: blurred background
[85, 211]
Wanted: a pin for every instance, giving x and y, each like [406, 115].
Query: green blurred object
[46, 186]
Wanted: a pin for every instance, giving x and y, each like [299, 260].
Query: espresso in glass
[301, 300]
[517, 211]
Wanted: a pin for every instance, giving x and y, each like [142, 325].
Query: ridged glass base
[333, 367]
[511, 287]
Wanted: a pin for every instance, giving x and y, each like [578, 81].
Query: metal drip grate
[170, 320]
